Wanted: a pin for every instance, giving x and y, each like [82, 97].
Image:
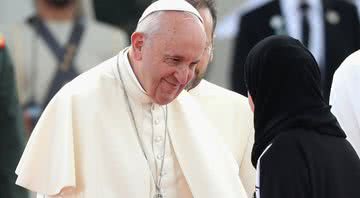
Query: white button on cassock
[163, 173]
[156, 121]
[159, 157]
[153, 107]
[158, 139]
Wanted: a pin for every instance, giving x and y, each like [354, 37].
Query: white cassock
[230, 113]
[86, 141]
[345, 98]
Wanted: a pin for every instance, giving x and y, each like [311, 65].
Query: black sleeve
[284, 173]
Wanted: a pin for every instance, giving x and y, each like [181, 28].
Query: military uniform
[11, 128]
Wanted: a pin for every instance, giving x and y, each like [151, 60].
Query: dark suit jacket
[340, 40]
[12, 138]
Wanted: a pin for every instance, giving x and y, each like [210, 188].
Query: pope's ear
[137, 43]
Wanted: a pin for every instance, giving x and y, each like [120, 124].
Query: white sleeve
[345, 97]
[47, 165]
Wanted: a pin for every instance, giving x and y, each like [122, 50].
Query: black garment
[12, 135]
[309, 156]
[309, 165]
[340, 39]
[124, 14]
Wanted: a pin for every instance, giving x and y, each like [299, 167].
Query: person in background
[344, 98]
[52, 47]
[127, 128]
[12, 137]
[300, 151]
[123, 14]
[316, 23]
[235, 123]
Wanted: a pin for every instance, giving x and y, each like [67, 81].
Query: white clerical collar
[132, 84]
[131, 71]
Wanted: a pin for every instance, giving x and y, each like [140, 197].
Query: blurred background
[124, 14]
[99, 29]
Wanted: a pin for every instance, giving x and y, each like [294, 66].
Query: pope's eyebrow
[179, 58]
[168, 56]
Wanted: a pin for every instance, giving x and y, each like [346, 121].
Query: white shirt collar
[292, 19]
[294, 4]
[130, 70]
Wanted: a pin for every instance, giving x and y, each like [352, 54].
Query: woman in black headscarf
[299, 151]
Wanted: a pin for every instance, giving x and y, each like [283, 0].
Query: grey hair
[150, 25]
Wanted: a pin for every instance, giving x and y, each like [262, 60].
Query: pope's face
[168, 60]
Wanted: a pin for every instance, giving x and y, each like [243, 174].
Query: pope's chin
[164, 97]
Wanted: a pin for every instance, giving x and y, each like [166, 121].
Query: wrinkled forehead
[174, 24]
[181, 38]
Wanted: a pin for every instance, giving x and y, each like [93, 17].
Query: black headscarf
[283, 80]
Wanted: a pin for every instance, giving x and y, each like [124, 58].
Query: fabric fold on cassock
[204, 142]
[230, 113]
[49, 155]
